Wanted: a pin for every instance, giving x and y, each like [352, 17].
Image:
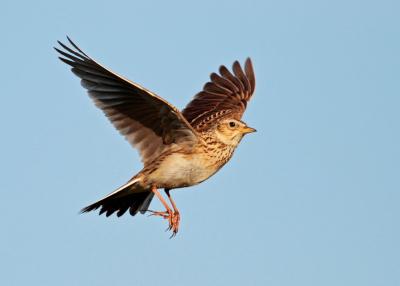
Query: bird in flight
[178, 149]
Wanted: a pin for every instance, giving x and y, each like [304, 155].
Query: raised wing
[226, 94]
[147, 121]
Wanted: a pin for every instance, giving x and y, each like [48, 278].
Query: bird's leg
[168, 214]
[176, 216]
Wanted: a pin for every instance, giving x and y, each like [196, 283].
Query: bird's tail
[130, 196]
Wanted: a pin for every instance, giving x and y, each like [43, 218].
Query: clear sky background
[311, 199]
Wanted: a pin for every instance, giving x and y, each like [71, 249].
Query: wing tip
[248, 62]
[88, 209]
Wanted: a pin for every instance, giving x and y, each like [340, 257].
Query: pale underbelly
[179, 170]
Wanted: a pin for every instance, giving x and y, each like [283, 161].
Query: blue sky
[311, 199]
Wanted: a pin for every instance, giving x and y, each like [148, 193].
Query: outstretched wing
[226, 94]
[147, 121]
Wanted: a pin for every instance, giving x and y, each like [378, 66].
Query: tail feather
[146, 203]
[130, 196]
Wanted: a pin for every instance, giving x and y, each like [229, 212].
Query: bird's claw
[164, 215]
[172, 217]
[174, 223]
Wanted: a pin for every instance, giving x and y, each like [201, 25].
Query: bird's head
[231, 131]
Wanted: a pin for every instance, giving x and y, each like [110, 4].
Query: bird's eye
[232, 124]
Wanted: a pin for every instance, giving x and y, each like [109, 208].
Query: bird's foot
[174, 223]
[173, 218]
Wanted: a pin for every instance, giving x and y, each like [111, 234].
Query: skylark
[178, 149]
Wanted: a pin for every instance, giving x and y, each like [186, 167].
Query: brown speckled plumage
[178, 149]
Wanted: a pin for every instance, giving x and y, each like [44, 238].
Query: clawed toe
[172, 217]
[164, 215]
[174, 224]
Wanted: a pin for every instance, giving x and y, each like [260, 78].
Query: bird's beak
[248, 129]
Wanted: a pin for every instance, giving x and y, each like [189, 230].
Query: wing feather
[146, 120]
[226, 94]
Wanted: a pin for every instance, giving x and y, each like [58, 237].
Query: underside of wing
[147, 121]
[226, 94]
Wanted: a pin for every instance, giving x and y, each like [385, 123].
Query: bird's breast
[182, 170]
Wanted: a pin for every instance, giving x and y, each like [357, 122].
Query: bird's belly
[181, 170]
